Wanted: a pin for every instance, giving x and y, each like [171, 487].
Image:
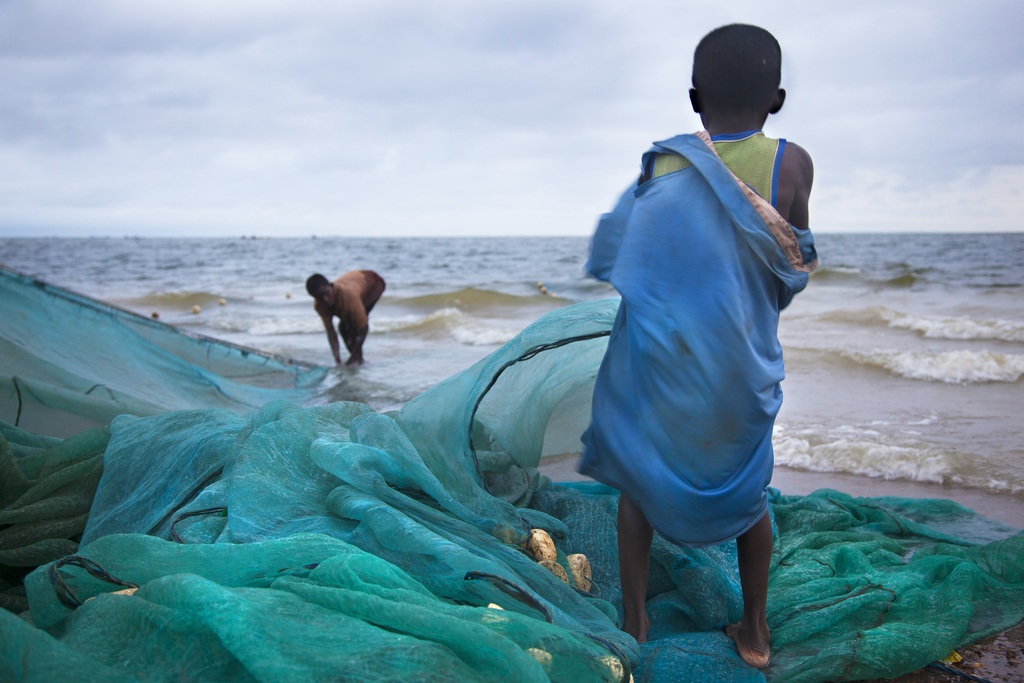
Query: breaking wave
[870, 453]
[951, 367]
[470, 299]
[464, 328]
[898, 276]
[933, 327]
[957, 327]
[864, 454]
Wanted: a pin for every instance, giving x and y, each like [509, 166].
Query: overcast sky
[481, 117]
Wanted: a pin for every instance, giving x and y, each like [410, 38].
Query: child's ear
[778, 101]
[695, 101]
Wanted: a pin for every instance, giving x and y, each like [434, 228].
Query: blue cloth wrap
[687, 393]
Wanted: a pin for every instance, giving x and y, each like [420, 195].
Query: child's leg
[635, 535]
[751, 633]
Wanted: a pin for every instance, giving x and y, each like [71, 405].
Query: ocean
[904, 356]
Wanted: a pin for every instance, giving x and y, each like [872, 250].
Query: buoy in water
[197, 309]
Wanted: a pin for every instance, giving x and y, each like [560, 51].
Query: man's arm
[796, 174]
[332, 337]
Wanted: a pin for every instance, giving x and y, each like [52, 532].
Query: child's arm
[604, 245]
[796, 173]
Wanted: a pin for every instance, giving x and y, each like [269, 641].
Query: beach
[1005, 509]
[1000, 658]
[904, 356]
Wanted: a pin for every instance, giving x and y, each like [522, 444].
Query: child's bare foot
[752, 644]
[636, 627]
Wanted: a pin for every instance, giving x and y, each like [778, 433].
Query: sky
[481, 117]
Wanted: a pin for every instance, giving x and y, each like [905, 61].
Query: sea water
[904, 356]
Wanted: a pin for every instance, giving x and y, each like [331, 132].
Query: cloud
[455, 117]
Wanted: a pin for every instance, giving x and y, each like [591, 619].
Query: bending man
[350, 297]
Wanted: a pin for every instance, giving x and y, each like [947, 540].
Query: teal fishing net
[332, 542]
[71, 362]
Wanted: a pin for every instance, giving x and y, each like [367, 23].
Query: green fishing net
[336, 543]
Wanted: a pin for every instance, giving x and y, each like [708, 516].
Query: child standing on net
[705, 249]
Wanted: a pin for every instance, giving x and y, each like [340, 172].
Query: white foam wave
[448, 323]
[464, 328]
[958, 327]
[951, 367]
[274, 326]
[475, 333]
[441, 317]
[891, 452]
[862, 453]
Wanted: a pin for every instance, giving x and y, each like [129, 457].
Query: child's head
[737, 69]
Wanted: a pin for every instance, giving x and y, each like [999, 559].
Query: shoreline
[1006, 508]
[999, 657]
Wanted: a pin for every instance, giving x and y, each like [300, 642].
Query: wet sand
[999, 659]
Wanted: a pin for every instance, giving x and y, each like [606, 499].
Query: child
[705, 249]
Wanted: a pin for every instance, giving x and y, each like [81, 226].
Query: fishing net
[71, 362]
[334, 542]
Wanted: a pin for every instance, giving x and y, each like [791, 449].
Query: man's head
[737, 69]
[318, 286]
